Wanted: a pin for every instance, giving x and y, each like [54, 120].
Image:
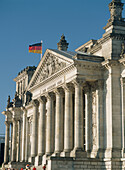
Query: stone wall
[61, 163]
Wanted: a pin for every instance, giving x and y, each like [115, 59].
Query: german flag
[35, 48]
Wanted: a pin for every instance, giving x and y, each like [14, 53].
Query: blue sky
[24, 22]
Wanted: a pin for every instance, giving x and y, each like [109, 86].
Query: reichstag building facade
[69, 111]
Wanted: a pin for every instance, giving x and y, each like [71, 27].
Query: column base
[33, 159]
[48, 154]
[56, 154]
[78, 152]
[123, 153]
[100, 153]
[88, 153]
[113, 153]
[40, 159]
[65, 153]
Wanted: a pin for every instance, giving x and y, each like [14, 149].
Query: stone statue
[123, 51]
[9, 104]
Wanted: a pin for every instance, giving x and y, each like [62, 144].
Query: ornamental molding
[88, 65]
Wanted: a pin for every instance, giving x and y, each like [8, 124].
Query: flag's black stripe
[37, 44]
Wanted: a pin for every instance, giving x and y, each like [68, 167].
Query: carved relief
[94, 119]
[51, 65]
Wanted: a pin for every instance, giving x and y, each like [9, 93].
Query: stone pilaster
[42, 127]
[18, 148]
[11, 141]
[59, 122]
[24, 134]
[14, 141]
[26, 142]
[123, 115]
[6, 151]
[113, 110]
[50, 124]
[68, 121]
[34, 142]
[88, 118]
[100, 118]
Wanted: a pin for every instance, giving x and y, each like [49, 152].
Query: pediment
[51, 63]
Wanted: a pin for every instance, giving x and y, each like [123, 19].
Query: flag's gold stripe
[35, 51]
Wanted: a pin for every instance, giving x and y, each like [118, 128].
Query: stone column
[79, 123]
[42, 127]
[100, 119]
[21, 133]
[24, 134]
[88, 120]
[11, 141]
[34, 142]
[6, 152]
[14, 141]
[50, 123]
[68, 122]
[59, 122]
[123, 115]
[18, 149]
[26, 143]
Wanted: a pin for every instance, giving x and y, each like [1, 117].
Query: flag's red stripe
[35, 48]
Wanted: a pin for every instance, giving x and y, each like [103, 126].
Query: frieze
[53, 86]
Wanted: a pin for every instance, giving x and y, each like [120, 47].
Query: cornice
[88, 65]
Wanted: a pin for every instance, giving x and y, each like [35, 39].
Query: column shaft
[42, 126]
[24, 135]
[100, 119]
[34, 130]
[59, 122]
[68, 124]
[14, 141]
[88, 120]
[123, 116]
[78, 117]
[50, 129]
[18, 149]
[6, 152]
[11, 142]
[26, 144]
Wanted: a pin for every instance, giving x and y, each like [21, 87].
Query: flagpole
[42, 49]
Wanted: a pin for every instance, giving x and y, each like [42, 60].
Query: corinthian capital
[86, 87]
[100, 83]
[59, 91]
[42, 99]
[35, 103]
[7, 123]
[68, 87]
